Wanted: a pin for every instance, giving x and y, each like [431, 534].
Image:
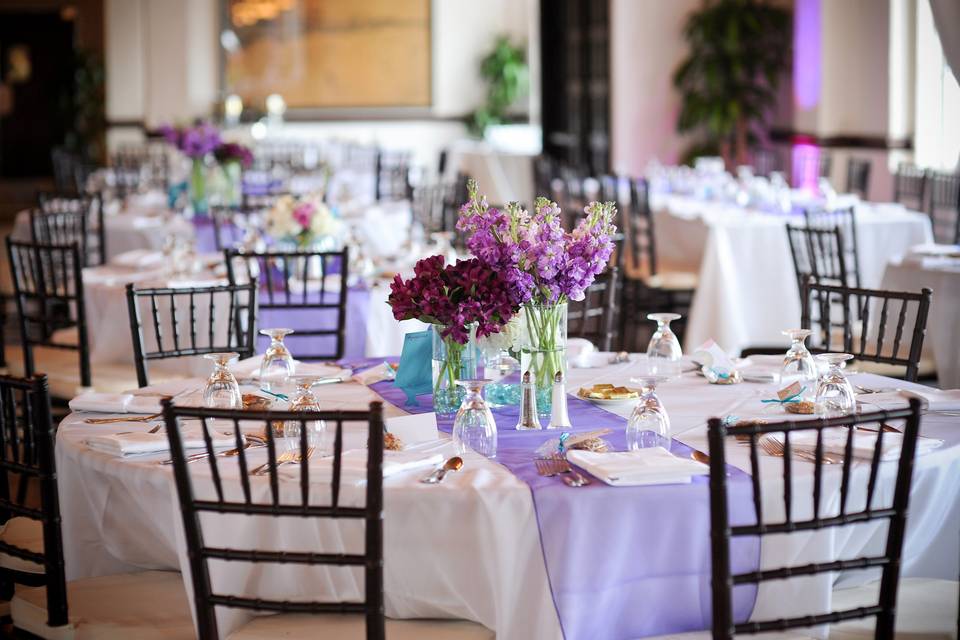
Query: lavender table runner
[623, 562]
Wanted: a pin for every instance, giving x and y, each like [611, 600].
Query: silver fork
[575, 479]
[546, 468]
[775, 448]
[286, 457]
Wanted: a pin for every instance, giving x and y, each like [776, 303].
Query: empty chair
[910, 186]
[647, 288]
[392, 176]
[302, 290]
[765, 162]
[817, 254]
[331, 501]
[944, 207]
[882, 327]
[862, 498]
[185, 322]
[845, 220]
[51, 313]
[64, 219]
[858, 177]
[595, 317]
[152, 604]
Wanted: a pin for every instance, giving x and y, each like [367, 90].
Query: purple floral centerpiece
[233, 158]
[461, 301]
[544, 266]
[197, 142]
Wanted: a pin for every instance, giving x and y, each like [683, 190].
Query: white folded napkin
[578, 351]
[353, 469]
[932, 399]
[141, 442]
[864, 443]
[655, 465]
[250, 368]
[139, 258]
[115, 403]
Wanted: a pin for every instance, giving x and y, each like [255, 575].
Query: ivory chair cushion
[147, 606]
[63, 372]
[25, 533]
[350, 627]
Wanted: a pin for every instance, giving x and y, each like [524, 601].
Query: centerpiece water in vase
[545, 268]
[463, 301]
[197, 143]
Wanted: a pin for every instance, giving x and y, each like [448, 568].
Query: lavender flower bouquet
[544, 267]
[462, 301]
[196, 142]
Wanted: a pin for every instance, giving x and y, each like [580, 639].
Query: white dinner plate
[603, 401]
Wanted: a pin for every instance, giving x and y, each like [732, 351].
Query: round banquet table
[469, 548]
[747, 292]
[942, 275]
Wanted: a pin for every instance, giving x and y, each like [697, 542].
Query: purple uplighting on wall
[806, 53]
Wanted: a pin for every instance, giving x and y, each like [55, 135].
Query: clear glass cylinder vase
[452, 361]
[543, 350]
[233, 187]
[198, 187]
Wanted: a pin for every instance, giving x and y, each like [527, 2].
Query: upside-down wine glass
[304, 400]
[222, 390]
[277, 364]
[835, 396]
[474, 427]
[649, 425]
[798, 364]
[663, 350]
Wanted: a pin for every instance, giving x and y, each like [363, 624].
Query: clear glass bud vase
[543, 350]
[452, 362]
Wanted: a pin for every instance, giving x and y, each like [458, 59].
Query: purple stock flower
[196, 141]
[539, 260]
[231, 151]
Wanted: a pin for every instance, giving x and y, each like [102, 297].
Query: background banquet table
[747, 293]
[469, 548]
[942, 275]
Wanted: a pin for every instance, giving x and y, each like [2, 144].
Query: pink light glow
[807, 62]
[805, 166]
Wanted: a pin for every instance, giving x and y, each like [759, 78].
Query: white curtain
[946, 15]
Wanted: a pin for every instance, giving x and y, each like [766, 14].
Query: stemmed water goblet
[798, 364]
[277, 364]
[834, 395]
[222, 390]
[649, 425]
[474, 426]
[663, 350]
[304, 400]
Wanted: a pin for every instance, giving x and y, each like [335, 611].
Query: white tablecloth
[748, 289]
[942, 342]
[469, 548]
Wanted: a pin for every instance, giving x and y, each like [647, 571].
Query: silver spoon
[452, 464]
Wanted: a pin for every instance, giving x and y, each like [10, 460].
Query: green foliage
[738, 51]
[83, 108]
[505, 70]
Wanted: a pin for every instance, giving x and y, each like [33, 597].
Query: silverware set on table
[557, 465]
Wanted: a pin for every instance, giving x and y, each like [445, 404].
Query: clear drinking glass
[474, 427]
[277, 364]
[222, 390]
[649, 425]
[664, 351]
[834, 394]
[798, 364]
[304, 400]
[498, 367]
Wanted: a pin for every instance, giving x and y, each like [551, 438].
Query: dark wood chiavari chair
[765, 162]
[143, 166]
[392, 176]
[858, 321]
[595, 317]
[722, 533]
[45, 605]
[230, 224]
[286, 282]
[302, 496]
[183, 322]
[647, 289]
[858, 177]
[910, 186]
[944, 207]
[64, 219]
[51, 311]
[843, 219]
[817, 254]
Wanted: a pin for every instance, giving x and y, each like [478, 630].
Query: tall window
[937, 131]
